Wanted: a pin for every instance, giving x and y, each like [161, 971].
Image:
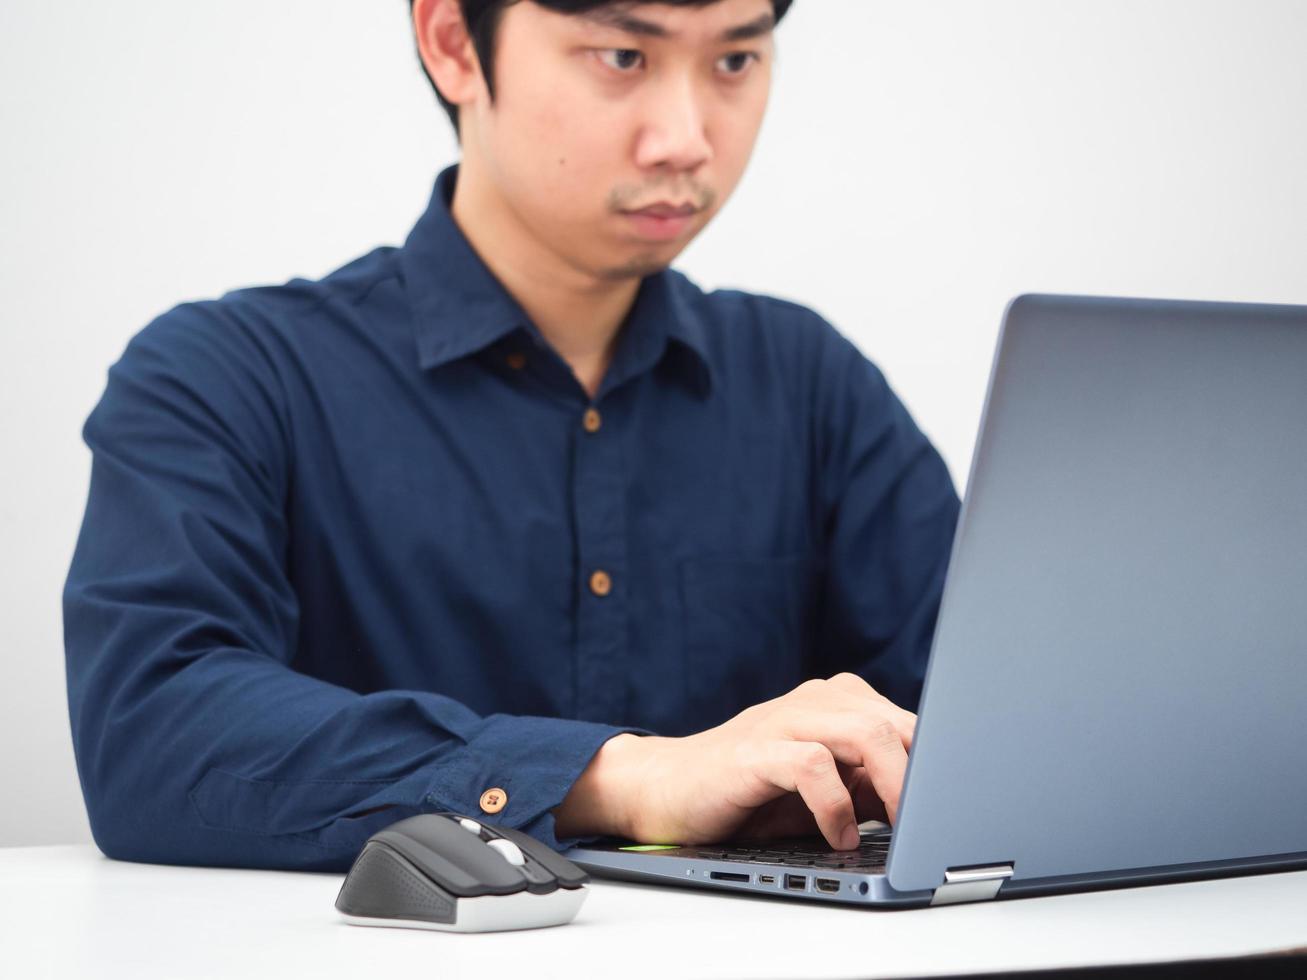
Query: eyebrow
[620, 20]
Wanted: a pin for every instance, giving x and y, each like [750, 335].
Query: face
[598, 116]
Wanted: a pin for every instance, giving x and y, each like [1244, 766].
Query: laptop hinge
[971, 884]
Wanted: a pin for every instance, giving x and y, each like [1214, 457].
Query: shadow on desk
[1288, 963]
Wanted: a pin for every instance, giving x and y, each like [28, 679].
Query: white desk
[71, 912]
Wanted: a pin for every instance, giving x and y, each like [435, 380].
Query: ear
[446, 49]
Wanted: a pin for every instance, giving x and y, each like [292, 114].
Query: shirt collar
[459, 307]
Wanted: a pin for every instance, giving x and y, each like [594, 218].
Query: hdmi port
[727, 876]
[827, 885]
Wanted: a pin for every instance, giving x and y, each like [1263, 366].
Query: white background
[922, 162]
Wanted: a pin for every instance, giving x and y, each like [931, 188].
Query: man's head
[574, 113]
[481, 18]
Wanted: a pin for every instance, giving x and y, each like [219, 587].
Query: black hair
[482, 20]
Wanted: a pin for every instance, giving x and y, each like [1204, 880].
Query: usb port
[827, 885]
[766, 879]
[796, 883]
[727, 876]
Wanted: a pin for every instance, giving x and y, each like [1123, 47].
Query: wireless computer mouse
[446, 871]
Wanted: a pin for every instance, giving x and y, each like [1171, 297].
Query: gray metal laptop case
[1118, 682]
[1117, 690]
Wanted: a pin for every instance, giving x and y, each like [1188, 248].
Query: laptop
[1117, 687]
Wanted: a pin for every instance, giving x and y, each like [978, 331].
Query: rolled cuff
[535, 762]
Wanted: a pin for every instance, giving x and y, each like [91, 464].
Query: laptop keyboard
[869, 856]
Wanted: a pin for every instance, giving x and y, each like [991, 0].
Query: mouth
[664, 210]
[662, 221]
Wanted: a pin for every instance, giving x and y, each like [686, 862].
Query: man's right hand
[822, 758]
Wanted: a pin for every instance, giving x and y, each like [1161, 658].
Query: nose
[674, 135]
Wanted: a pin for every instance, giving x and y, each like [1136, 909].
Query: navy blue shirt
[363, 547]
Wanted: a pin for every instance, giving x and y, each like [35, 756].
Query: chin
[637, 268]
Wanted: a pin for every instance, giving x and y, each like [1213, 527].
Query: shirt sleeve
[195, 740]
[890, 511]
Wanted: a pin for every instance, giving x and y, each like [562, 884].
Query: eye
[737, 62]
[620, 59]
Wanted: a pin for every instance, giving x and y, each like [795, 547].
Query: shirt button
[493, 800]
[591, 420]
[600, 583]
[516, 360]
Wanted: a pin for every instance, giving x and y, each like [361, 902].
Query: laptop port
[766, 879]
[827, 885]
[727, 876]
[796, 883]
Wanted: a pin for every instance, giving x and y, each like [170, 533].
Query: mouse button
[455, 844]
[539, 879]
[383, 885]
[542, 855]
[510, 851]
[463, 865]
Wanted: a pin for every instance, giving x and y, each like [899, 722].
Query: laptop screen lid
[1118, 681]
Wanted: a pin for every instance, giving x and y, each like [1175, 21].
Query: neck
[578, 313]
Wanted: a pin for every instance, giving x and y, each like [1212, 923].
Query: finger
[853, 710]
[886, 762]
[854, 684]
[859, 686]
[809, 769]
[859, 693]
[867, 805]
[906, 723]
[873, 743]
[848, 775]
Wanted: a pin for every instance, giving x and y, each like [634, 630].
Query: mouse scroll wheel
[470, 825]
[511, 852]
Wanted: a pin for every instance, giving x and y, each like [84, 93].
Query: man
[513, 520]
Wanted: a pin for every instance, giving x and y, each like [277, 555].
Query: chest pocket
[747, 628]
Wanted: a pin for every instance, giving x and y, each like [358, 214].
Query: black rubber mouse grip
[383, 885]
[457, 861]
